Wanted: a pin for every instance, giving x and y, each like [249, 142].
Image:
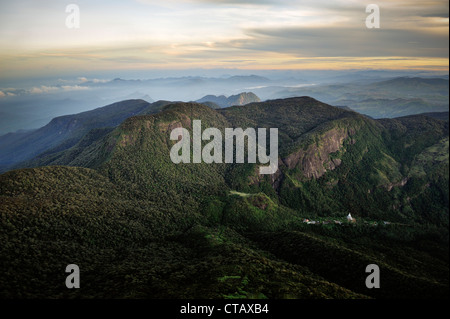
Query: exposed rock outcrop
[314, 161]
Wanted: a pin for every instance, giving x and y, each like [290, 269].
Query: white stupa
[349, 217]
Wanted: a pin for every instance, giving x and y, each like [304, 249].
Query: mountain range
[387, 98]
[101, 191]
[376, 94]
[65, 131]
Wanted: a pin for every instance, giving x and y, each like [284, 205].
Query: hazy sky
[248, 34]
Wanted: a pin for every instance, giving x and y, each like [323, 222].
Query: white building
[350, 218]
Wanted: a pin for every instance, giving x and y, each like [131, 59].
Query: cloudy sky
[247, 34]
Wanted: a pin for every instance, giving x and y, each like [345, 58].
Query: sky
[199, 34]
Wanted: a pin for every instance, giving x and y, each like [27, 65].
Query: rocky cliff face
[315, 160]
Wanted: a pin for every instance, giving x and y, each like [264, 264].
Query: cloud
[443, 15]
[52, 89]
[43, 89]
[100, 80]
[83, 79]
[2, 94]
[74, 88]
[327, 41]
[145, 34]
[216, 2]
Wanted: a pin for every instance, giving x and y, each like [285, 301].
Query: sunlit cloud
[74, 88]
[83, 79]
[43, 89]
[218, 33]
[51, 89]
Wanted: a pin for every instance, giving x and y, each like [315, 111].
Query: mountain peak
[238, 99]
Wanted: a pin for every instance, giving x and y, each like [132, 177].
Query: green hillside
[140, 226]
[223, 101]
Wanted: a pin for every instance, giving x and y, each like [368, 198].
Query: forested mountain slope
[140, 226]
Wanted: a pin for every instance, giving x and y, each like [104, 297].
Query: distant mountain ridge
[391, 108]
[65, 131]
[414, 83]
[238, 99]
[443, 116]
[389, 98]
